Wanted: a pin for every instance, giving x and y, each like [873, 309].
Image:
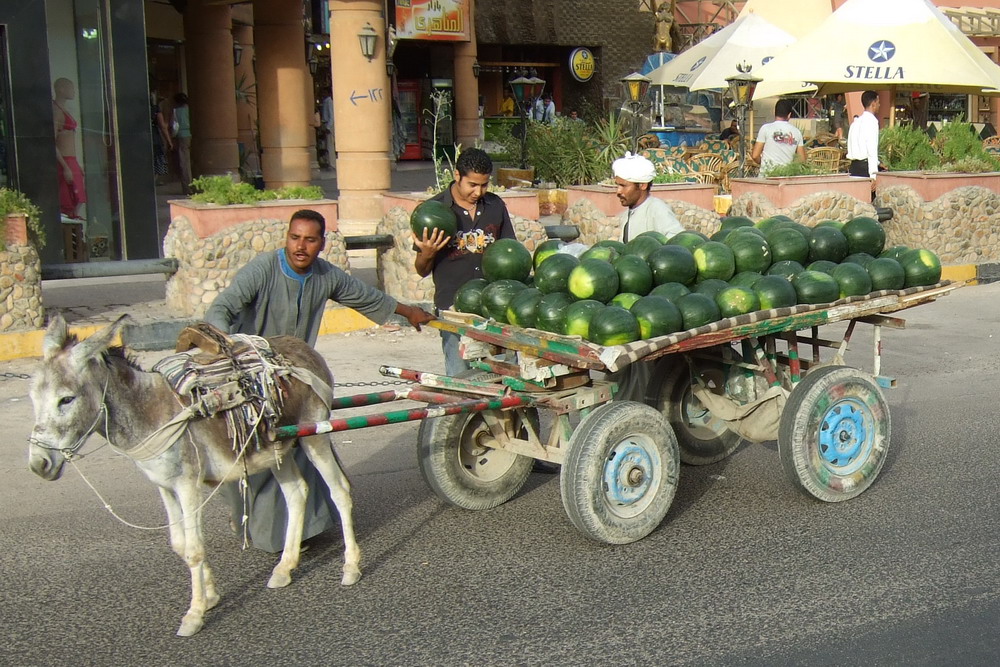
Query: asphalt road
[745, 570]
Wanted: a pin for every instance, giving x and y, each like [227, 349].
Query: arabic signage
[436, 20]
[581, 64]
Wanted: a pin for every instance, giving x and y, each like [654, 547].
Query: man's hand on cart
[415, 316]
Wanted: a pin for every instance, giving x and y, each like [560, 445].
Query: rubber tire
[807, 411]
[459, 478]
[589, 454]
[699, 444]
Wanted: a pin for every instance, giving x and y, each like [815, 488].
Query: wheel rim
[846, 436]
[631, 476]
[697, 419]
[477, 457]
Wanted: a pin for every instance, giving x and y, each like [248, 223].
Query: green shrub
[797, 169]
[568, 152]
[906, 148]
[223, 191]
[14, 202]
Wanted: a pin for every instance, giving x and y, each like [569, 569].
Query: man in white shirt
[862, 140]
[778, 143]
[545, 109]
[634, 177]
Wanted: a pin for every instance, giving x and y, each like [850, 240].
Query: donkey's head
[67, 393]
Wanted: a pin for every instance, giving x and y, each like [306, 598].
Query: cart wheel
[834, 433]
[459, 463]
[702, 438]
[620, 472]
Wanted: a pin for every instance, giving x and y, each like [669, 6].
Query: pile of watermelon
[616, 293]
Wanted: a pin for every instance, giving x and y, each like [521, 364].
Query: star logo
[881, 51]
[766, 60]
[698, 64]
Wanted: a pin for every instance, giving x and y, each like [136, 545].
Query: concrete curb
[973, 274]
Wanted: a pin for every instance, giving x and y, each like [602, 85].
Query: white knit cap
[634, 168]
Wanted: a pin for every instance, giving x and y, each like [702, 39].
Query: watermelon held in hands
[657, 316]
[469, 297]
[593, 279]
[613, 325]
[431, 215]
[506, 259]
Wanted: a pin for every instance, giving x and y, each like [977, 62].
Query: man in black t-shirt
[482, 219]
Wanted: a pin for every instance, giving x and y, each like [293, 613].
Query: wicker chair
[648, 141]
[676, 165]
[992, 145]
[714, 145]
[824, 157]
[658, 156]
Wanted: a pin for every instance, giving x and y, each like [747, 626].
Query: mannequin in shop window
[72, 189]
[161, 138]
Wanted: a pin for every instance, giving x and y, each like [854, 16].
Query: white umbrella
[749, 39]
[879, 45]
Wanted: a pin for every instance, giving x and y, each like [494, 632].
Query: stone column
[467, 86]
[246, 98]
[361, 111]
[211, 87]
[282, 83]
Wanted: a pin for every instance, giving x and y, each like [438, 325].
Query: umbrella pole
[892, 106]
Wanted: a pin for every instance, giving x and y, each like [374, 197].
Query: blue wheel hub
[846, 435]
[628, 473]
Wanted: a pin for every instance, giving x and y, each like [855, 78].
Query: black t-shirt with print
[462, 259]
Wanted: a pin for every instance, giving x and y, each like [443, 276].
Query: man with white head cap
[634, 177]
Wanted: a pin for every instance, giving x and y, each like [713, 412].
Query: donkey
[91, 387]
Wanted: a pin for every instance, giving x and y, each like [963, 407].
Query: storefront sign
[437, 20]
[581, 64]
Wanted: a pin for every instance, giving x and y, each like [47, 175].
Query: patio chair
[992, 145]
[648, 141]
[825, 157]
[714, 145]
[658, 156]
[676, 165]
[706, 162]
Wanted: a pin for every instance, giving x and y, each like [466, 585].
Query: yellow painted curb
[959, 273]
[23, 344]
[343, 320]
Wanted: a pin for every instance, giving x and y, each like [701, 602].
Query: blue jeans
[454, 364]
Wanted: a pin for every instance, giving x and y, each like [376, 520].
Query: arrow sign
[357, 97]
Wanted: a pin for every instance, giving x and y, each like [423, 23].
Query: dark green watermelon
[431, 215]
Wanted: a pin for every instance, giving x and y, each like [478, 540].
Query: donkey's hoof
[279, 579]
[351, 576]
[190, 624]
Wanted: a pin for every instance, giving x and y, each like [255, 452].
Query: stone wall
[962, 226]
[207, 266]
[809, 210]
[595, 226]
[20, 288]
[395, 265]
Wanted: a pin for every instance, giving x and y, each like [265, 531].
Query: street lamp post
[636, 86]
[525, 90]
[741, 87]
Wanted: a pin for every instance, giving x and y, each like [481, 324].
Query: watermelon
[815, 287]
[431, 215]
[861, 258]
[652, 233]
[523, 308]
[469, 297]
[734, 301]
[634, 274]
[788, 243]
[895, 252]
[710, 287]
[836, 224]
[697, 310]
[722, 234]
[549, 311]
[775, 292]
[735, 221]
[922, 267]
[594, 279]
[642, 246]
[672, 263]
[689, 239]
[827, 243]
[624, 299]
[545, 249]
[786, 268]
[805, 230]
[822, 265]
[497, 296]
[506, 259]
[552, 275]
[714, 260]
[613, 325]
[768, 224]
[864, 235]
[750, 252]
[745, 279]
[576, 317]
[671, 291]
[886, 274]
[605, 252]
[612, 243]
[853, 279]
[657, 316]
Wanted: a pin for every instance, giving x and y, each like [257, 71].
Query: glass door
[7, 176]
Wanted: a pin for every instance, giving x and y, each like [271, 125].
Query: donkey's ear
[55, 336]
[96, 344]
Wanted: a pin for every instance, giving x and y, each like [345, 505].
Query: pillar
[282, 83]
[361, 112]
[211, 87]
[467, 87]
[246, 99]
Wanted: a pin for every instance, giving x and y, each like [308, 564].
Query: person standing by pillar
[862, 140]
[182, 137]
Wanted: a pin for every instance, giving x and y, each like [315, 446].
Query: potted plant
[20, 220]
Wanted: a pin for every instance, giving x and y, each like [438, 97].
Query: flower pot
[509, 177]
[15, 230]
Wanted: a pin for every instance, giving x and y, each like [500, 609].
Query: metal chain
[376, 383]
[14, 376]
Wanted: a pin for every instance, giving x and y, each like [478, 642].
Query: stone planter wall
[962, 226]
[595, 226]
[207, 265]
[209, 219]
[808, 210]
[20, 288]
[784, 191]
[932, 185]
[519, 203]
[605, 198]
[394, 267]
